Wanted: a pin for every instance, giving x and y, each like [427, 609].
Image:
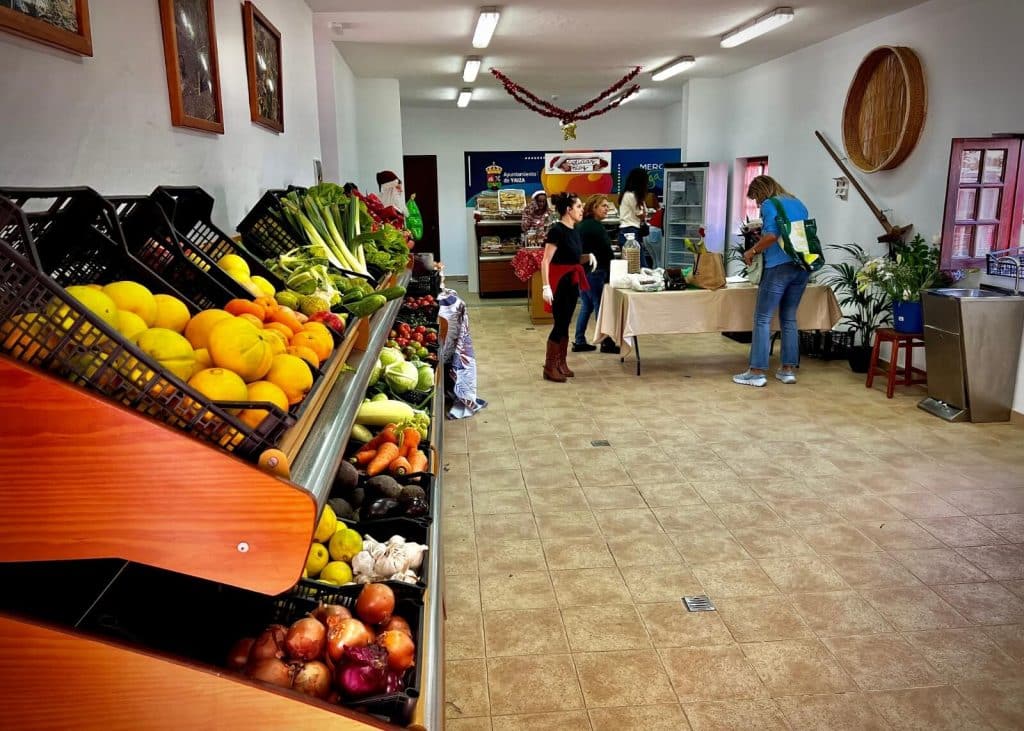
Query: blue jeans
[590, 301]
[781, 288]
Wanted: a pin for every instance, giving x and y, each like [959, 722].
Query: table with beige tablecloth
[625, 314]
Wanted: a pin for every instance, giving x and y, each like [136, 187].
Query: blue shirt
[796, 211]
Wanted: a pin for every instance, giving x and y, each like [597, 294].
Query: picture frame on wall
[62, 24]
[193, 72]
[263, 68]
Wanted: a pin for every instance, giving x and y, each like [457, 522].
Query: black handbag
[645, 231]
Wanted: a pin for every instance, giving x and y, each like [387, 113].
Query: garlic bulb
[406, 576]
[414, 552]
[393, 561]
[362, 564]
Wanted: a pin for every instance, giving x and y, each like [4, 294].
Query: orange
[198, 329]
[203, 360]
[286, 317]
[252, 319]
[243, 307]
[240, 346]
[269, 304]
[307, 354]
[319, 342]
[169, 349]
[171, 313]
[133, 297]
[219, 384]
[278, 342]
[283, 329]
[263, 391]
[292, 374]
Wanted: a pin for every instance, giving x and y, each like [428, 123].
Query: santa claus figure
[391, 193]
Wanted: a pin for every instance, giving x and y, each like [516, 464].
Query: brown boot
[551, 361]
[563, 350]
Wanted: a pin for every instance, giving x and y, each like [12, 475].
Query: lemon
[265, 287]
[234, 265]
[336, 572]
[170, 349]
[129, 324]
[325, 528]
[171, 313]
[133, 297]
[317, 559]
[345, 544]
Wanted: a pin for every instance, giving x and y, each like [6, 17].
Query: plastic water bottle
[631, 253]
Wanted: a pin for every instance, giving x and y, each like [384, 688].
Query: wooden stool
[905, 341]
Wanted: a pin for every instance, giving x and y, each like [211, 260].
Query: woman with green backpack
[791, 252]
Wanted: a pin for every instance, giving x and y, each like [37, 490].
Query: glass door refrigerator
[694, 198]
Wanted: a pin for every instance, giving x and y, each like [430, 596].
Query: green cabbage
[375, 373]
[391, 355]
[401, 377]
[426, 377]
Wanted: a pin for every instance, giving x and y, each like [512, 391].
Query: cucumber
[366, 306]
[392, 293]
[353, 295]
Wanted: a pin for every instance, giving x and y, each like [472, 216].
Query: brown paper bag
[709, 271]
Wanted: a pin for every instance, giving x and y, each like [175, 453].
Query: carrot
[417, 462]
[387, 434]
[364, 456]
[384, 457]
[410, 441]
[400, 466]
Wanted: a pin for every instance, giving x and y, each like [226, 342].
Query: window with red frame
[753, 167]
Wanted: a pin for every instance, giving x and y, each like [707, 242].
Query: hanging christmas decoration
[568, 118]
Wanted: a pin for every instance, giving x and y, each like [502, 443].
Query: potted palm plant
[865, 308]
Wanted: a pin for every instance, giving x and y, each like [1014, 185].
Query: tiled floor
[866, 558]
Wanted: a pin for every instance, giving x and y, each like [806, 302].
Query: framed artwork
[263, 64]
[63, 24]
[190, 55]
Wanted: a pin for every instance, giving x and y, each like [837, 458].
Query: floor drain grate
[600, 443]
[698, 604]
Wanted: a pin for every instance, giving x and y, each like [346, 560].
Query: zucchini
[382, 413]
[392, 293]
[366, 306]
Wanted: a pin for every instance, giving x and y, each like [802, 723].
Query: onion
[400, 647]
[326, 611]
[305, 640]
[268, 644]
[239, 654]
[272, 671]
[393, 681]
[348, 633]
[397, 623]
[313, 679]
[363, 671]
[375, 604]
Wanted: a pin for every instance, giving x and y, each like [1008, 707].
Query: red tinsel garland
[534, 103]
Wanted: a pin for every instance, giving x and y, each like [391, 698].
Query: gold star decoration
[569, 131]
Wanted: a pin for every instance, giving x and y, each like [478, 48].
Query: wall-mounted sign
[575, 163]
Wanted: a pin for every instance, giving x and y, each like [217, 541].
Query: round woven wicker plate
[885, 109]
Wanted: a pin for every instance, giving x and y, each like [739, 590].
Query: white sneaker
[786, 376]
[750, 379]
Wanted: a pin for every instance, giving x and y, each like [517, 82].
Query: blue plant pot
[907, 317]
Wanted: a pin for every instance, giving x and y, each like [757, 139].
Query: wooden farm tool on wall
[893, 234]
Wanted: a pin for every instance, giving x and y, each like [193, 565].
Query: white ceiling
[573, 50]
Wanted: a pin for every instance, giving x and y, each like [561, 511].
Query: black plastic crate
[265, 231]
[43, 326]
[826, 345]
[1002, 268]
[424, 284]
[190, 210]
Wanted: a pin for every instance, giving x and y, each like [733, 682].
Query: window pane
[989, 208]
[965, 200]
[962, 241]
[984, 239]
[970, 166]
[995, 162]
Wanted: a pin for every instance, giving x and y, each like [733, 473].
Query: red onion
[268, 644]
[394, 681]
[305, 640]
[239, 654]
[363, 671]
[313, 679]
[272, 671]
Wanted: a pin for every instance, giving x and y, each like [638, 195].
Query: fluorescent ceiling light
[471, 70]
[629, 98]
[464, 96]
[485, 26]
[674, 67]
[758, 26]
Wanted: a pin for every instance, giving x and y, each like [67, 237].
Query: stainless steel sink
[966, 293]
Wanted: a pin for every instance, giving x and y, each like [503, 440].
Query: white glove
[593, 262]
[547, 294]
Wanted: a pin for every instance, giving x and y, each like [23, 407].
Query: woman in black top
[563, 277]
[595, 241]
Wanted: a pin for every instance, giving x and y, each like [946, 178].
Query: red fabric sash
[557, 271]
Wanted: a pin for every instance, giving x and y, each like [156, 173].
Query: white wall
[345, 120]
[379, 130]
[448, 133]
[968, 51]
[105, 121]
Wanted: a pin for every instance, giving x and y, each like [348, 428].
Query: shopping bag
[755, 269]
[709, 271]
[799, 239]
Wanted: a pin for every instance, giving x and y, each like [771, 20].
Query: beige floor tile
[650, 549]
[915, 608]
[577, 553]
[964, 655]
[465, 683]
[543, 477]
[872, 571]
[481, 723]
[710, 546]
[882, 662]
[605, 628]
[936, 709]
[648, 718]
[922, 505]
[840, 538]
[524, 632]
[805, 512]
[627, 678]
[762, 619]
[570, 524]
[982, 502]
[747, 514]
[711, 673]
[457, 500]
[462, 594]
[534, 684]
[484, 463]
[668, 495]
[501, 501]
[660, 583]
[1002, 704]
[627, 522]
[735, 716]
[506, 527]
[999, 562]
[1016, 586]
[613, 497]
[589, 587]
[961, 531]
[596, 477]
[654, 472]
[835, 712]
[839, 614]
[1009, 638]
[1010, 527]
[866, 508]
[802, 574]
[558, 721]
[771, 541]
[725, 491]
[797, 667]
[557, 500]
[463, 636]
[983, 603]
[509, 556]
[734, 578]
[670, 624]
[787, 489]
[516, 590]
[898, 534]
[630, 457]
